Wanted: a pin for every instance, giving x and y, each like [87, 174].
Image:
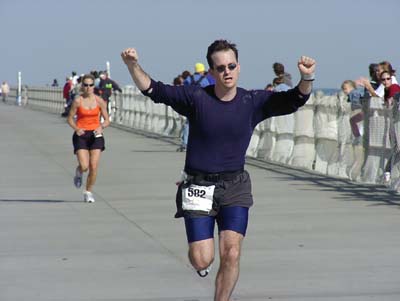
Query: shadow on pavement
[153, 151]
[346, 189]
[37, 201]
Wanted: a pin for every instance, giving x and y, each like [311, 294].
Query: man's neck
[225, 94]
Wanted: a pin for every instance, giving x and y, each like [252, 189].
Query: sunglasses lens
[220, 69]
[231, 66]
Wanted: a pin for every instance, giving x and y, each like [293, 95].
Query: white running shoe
[78, 178]
[205, 272]
[88, 197]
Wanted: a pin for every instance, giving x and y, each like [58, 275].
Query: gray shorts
[231, 189]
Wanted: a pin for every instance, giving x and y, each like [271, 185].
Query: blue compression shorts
[233, 218]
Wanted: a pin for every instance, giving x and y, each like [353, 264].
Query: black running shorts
[87, 141]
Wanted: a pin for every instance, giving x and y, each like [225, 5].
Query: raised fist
[130, 56]
[306, 65]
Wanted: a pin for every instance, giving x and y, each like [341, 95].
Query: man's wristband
[308, 77]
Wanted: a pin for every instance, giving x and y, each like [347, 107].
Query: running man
[88, 137]
[222, 118]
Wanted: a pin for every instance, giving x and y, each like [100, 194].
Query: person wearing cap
[215, 186]
[199, 78]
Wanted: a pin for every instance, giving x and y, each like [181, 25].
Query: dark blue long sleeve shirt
[220, 131]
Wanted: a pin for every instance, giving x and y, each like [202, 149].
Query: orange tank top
[88, 119]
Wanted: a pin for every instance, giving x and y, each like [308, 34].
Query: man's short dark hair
[220, 45]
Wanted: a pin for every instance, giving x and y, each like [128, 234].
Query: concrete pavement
[310, 237]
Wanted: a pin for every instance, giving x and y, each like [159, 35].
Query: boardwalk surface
[309, 237]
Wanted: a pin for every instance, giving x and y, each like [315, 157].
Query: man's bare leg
[230, 243]
[201, 253]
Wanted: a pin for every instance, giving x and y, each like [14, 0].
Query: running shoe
[205, 272]
[78, 178]
[88, 197]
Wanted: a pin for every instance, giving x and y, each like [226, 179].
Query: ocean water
[328, 91]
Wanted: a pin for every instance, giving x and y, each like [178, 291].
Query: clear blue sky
[47, 39]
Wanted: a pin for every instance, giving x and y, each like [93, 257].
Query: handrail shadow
[348, 190]
[36, 201]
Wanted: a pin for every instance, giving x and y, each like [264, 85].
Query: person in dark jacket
[106, 87]
[67, 96]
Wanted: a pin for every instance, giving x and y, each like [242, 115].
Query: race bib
[199, 198]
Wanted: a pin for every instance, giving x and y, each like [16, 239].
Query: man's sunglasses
[88, 85]
[222, 68]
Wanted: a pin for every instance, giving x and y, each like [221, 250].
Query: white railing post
[19, 88]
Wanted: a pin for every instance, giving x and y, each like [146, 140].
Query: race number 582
[196, 197]
[195, 192]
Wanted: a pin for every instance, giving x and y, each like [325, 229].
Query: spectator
[178, 81]
[385, 66]
[186, 74]
[199, 78]
[380, 90]
[67, 96]
[279, 70]
[373, 80]
[269, 87]
[391, 89]
[55, 83]
[76, 88]
[96, 75]
[5, 90]
[279, 84]
[74, 78]
[374, 75]
[354, 95]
